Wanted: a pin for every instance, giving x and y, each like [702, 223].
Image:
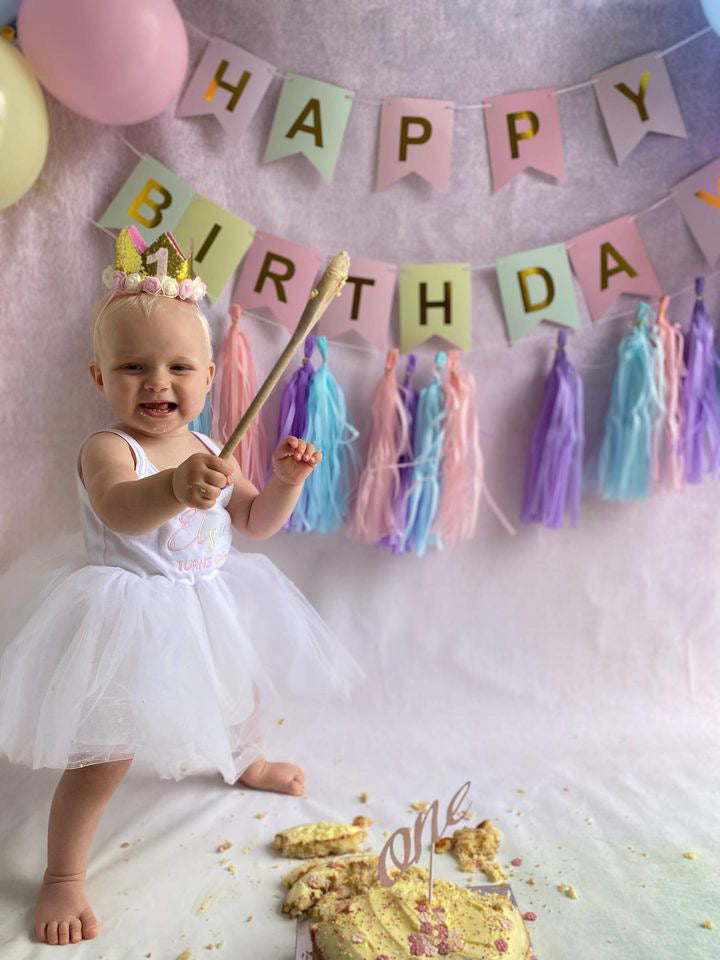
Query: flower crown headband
[158, 268]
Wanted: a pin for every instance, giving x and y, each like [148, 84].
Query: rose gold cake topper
[412, 841]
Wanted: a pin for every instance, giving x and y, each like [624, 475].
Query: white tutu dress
[170, 645]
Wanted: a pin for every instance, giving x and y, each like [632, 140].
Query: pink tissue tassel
[234, 388]
[374, 513]
[463, 471]
[668, 467]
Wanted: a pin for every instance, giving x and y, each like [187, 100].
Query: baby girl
[167, 643]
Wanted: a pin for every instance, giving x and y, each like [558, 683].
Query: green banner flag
[152, 198]
[311, 117]
[435, 300]
[537, 285]
[218, 239]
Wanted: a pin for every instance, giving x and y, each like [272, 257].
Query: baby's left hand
[294, 460]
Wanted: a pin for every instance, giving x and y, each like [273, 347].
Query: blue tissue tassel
[203, 421]
[635, 413]
[425, 488]
[325, 499]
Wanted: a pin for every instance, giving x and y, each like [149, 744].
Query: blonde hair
[111, 304]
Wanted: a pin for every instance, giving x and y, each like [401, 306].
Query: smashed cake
[318, 840]
[475, 849]
[398, 922]
[311, 882]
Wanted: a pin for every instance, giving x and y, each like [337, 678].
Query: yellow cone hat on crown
[157, 268]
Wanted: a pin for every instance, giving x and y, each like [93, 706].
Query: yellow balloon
[23, 125]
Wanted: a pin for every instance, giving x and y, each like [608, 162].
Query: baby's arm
[260, 515]
[125, 503]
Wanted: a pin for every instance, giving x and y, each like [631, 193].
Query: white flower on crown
[170, 286]
[198, 289]
[107, 276]
[133, 282]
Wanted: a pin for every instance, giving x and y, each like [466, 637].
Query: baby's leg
[63, 915]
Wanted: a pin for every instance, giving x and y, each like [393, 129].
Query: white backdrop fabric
[583, 659]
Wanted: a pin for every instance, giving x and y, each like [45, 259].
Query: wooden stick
[329, 286]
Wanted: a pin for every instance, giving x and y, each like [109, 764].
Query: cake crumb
[708, 924]
[589, 821]
[568, 890]
[386, 833]
[123, 845]
[209, 946]
[205, 904]
[247, 848]
[362, 822]
[690, 855]
[419, 805]
[248, 919]
[281, 721]
[519, 790]
[220, 943]
[364, 798]
[566, 789]
[443, 845]
[260, 816]
[186, 954]
[223, 847]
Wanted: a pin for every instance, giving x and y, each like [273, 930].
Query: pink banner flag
[277, 274]
[365, 303]
[229, 83]
[636, 98]
[523, 130]
[698, 197]
[415, 137]
[611, 260]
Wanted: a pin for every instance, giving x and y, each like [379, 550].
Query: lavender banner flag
[636, 97]
[228, 83]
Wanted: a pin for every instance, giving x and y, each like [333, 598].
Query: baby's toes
[40, 932]
[75, 930]
[63, 932]
[89, 924]
[52, 931]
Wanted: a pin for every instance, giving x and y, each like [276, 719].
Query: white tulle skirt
[98, 664]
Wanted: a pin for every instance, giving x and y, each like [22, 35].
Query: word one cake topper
[412, 840]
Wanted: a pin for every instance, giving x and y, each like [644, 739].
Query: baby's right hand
[201, 472]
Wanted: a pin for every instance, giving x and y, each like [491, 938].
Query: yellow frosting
[395, 923]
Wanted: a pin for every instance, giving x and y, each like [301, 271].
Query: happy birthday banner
[434, 298]
[416, 135]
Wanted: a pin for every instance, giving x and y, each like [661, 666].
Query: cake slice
[319, 839]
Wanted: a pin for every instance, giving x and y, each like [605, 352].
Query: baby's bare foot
[63, 915]
[279, 777]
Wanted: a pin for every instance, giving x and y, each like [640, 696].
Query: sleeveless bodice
[193, 544]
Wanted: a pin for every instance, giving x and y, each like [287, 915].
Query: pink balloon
[114, 62]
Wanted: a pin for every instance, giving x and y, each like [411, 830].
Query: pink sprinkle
[426, 927]
[357, 938]
[442, 929]
[501, 946]
[443, 949]
[421, 907]
[438, 909]
[530, 915]
[517, 862]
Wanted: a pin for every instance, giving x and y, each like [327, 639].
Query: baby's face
[160, 359]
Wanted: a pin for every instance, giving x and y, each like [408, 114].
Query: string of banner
[424, 489]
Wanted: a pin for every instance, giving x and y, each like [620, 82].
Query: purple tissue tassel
[553, 476]
[701, 405]
[292, 421]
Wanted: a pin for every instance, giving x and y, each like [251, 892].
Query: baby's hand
[200, 480]
[294, 460]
